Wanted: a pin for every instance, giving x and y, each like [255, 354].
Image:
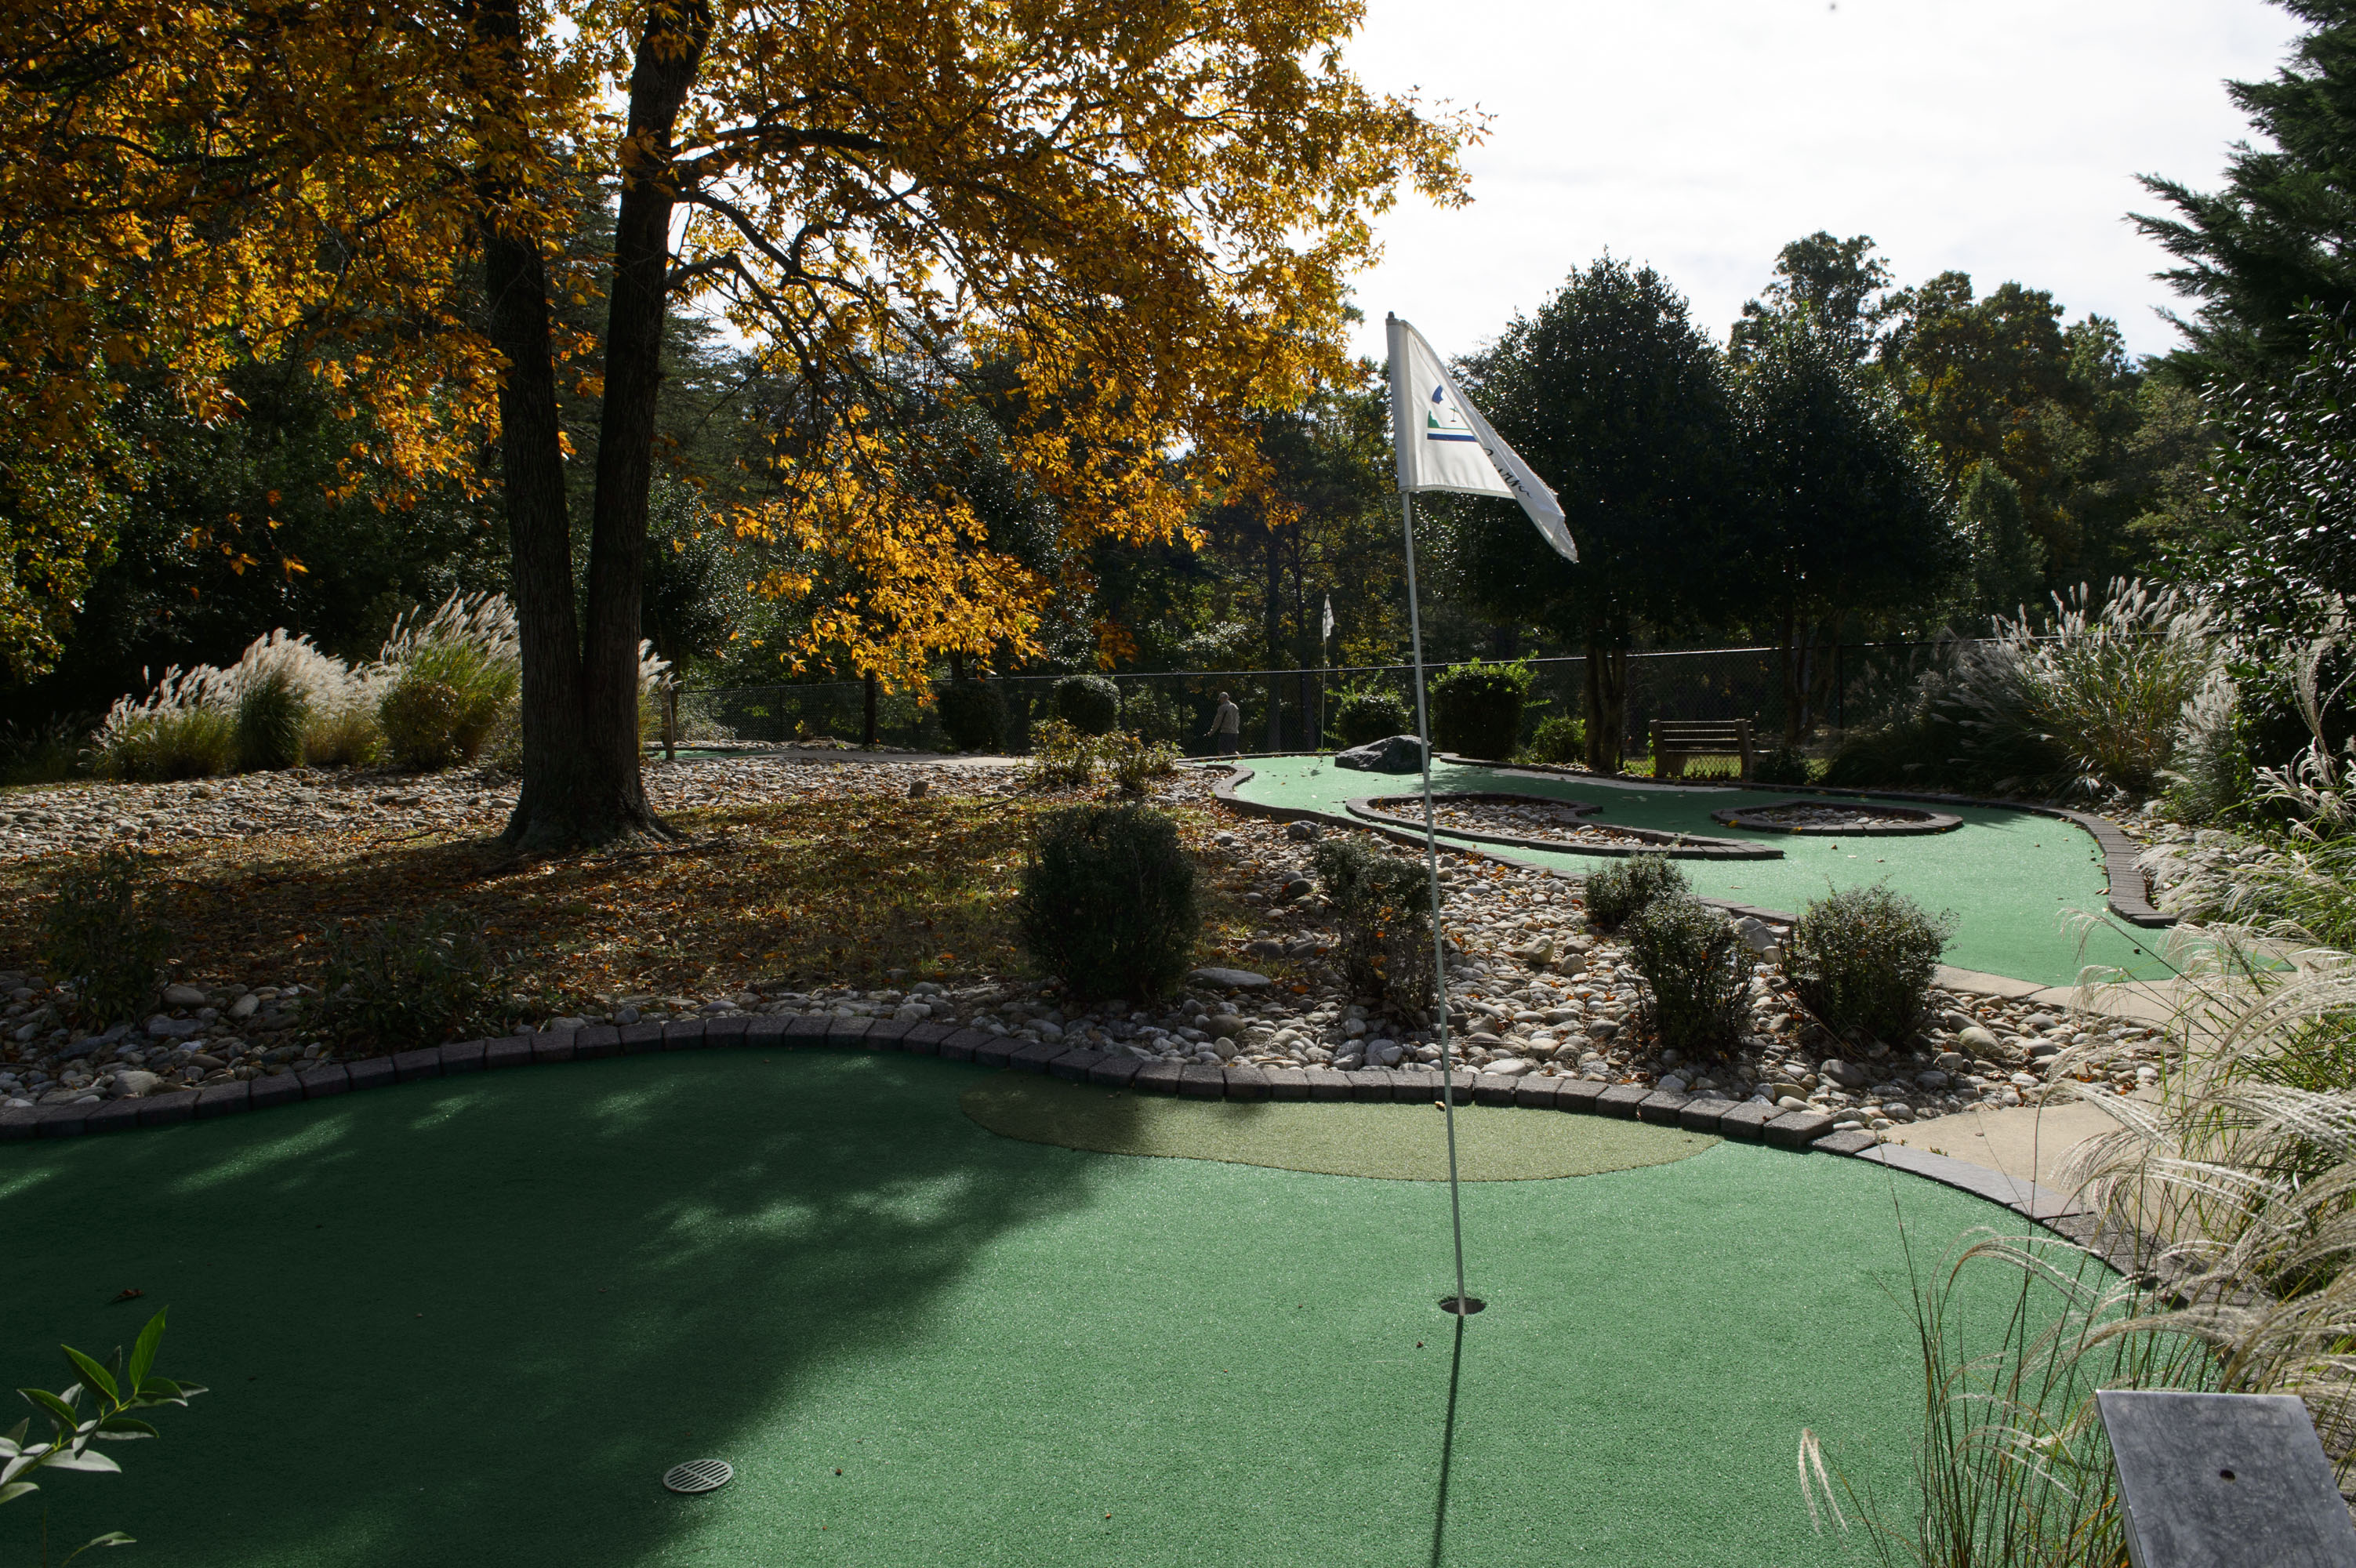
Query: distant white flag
[1328, 634]
[1443, 443]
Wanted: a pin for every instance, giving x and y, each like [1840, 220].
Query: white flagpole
[1431, 866]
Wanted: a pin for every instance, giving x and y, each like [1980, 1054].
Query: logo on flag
[1443, 421]
[1458, 451]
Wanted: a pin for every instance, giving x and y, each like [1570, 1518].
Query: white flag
[1443, 443]
[1328, 635]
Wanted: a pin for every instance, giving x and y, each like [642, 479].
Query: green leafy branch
[115, 1391]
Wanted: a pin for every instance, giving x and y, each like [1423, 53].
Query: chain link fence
[1289, 710]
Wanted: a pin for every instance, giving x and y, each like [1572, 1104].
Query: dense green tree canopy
[2274, 240]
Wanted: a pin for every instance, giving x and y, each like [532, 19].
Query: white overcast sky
[2001, 137]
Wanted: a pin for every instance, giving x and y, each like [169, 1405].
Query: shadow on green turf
[652, 1258]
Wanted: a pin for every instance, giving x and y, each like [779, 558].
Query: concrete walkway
[2027, 1143]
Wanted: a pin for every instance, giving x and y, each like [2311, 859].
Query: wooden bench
[1677, 742]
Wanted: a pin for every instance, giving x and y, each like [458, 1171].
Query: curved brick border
[2122, 862]
[1914, 823]
[1745, 1121]
[1675, 846]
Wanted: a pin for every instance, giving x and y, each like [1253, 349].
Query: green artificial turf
[472, 1320]
[1393, 1143]
[2014, 880]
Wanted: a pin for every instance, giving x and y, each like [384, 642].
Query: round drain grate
[1465, 1307]
[699, 1476]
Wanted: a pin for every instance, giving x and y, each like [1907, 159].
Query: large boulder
[1394, 754]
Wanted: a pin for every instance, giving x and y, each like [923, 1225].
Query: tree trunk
[531, 466]
[1607, 706]
[581, 778]
[1272, 630]
[1788, 667]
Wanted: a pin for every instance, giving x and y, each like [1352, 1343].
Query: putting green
[1393, 1143]
[2016, 880]
[472, 1321]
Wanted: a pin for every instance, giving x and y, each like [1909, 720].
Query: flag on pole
[1443, 443]
[1327, 635]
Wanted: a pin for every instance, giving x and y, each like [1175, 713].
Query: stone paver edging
[1746, 1121]
[1674, 847]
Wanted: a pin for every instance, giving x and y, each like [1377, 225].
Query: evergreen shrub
[1107, 903]
[1364, 717]
[1779, 764]
[1864, 957]
[1089, 703]
[1476, 708]
[1618, 891]
[973, 715]
[1558, 739]
[105, 934]
[397, 983]
[1382, 909]
[1698, 971]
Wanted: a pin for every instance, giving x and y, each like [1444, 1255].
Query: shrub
[1133, 761]
[105, 933]
[420, 717]
[1382, 910]
[2095, 702]
[1156, 714]
[1697, 968]
[154, 744]
[50, 753]
[2211, 774]
[1915, 751]
[1107, 903]
[469, 645]
[1089, 703]
[404, 983]
[1558, 739]
[344, 735]
[973, 715]
[1061, 757]
[1780, 765]
[1476, 708]
[271, 716]
[1364, 717]
[1864, 959]
[1618, 891]
[257, 714]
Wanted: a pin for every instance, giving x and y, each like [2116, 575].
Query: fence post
[670, 720]
[1840, 688]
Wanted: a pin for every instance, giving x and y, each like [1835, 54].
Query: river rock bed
[1538, 821]
[1532, 990]
[1816, 818]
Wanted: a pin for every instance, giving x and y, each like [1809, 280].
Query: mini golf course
[473, 1320]
[2013, 878]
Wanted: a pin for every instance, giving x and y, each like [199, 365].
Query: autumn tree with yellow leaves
[1150, 206]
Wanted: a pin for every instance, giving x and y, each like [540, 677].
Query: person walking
[1226, 732]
